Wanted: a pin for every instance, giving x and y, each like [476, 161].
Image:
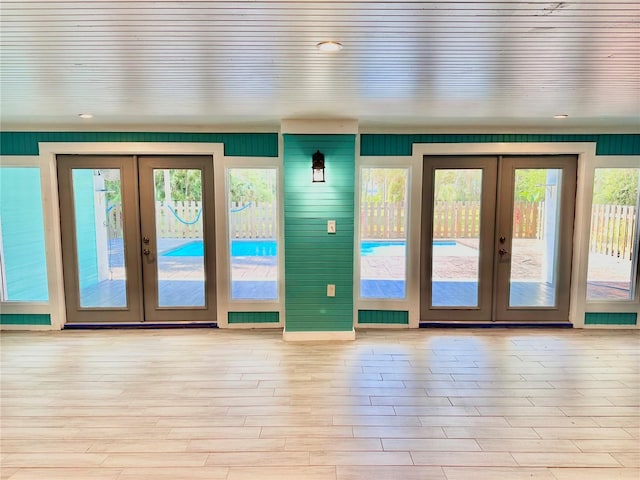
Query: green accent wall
[253, 317]
[610, 318]
[25, 319]
[235, 144]
[313, 257]
[387, 317]
[401, 144]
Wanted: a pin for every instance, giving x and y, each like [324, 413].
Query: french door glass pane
[179, 237]
[252, 214]
[456, 237]
[99, 238]
[383, 232]
[613, 238]
[535, 237]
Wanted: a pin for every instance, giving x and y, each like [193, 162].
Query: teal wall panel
[599, 318]
[315, 258]
[387, 317]
[25, 319]
[401, 144]
[235, 144]
[21, 219]
[253, 317]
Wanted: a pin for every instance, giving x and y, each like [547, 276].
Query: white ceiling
[193, 65]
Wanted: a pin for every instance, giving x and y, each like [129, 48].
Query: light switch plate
[331, 226]
[331, 290]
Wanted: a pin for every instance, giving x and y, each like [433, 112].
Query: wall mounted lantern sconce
[317, 165]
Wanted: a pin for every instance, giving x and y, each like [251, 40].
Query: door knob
[146, 251]
[502, 252]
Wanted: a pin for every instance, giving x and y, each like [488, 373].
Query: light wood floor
[402, 405]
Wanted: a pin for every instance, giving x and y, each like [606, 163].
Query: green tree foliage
[616, 186]
[252, 185]
[530, 185]
[458, 185]
[111, 177]
[384, 185]
[185, 185]
[464, 185]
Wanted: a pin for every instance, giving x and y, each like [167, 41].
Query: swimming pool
[268, 248]
[383, 248]
[239, 248]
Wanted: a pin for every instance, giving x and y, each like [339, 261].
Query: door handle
[502, 252]
[146, 251]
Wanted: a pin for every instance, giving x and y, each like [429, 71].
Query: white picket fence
[613, 230]
[612, 226]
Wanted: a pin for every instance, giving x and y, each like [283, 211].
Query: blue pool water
[383, 248]
[239, 248]
[268, 248]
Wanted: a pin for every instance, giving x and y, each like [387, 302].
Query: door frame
[47, 158]
[586, 152]
[496, 217]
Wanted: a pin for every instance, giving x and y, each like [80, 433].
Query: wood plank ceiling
[239, 64]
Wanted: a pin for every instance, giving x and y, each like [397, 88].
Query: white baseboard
[329, 336]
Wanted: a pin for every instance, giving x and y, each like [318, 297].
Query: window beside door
[613, 239]
[23, 267]
[252, 212]
[383, 232]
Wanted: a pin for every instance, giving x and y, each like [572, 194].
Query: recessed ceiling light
[85, 115]
[329, 47]
[562, 115]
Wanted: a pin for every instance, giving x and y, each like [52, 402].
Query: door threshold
[497, 324]
[138, 325]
